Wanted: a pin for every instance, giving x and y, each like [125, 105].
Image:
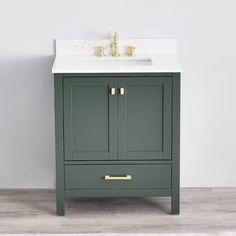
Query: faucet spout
[116, 52]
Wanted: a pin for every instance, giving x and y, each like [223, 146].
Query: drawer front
[117, 176]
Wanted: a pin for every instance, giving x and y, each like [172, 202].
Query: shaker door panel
[90, 120]
[144, 115]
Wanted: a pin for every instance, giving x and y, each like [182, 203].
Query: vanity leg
[60, 204]
[175, 198]
[59, 137]
[175, 205]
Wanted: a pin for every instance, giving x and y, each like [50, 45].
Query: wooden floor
[202, 210]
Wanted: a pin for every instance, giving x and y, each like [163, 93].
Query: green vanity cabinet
[117, 135]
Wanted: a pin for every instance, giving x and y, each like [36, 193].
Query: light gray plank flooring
[202, 210]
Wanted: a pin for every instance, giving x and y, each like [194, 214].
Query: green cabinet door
[90, 118]
[144, 118]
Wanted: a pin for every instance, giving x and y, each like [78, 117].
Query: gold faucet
[116, 46]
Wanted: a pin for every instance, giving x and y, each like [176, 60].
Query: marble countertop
[79, 56]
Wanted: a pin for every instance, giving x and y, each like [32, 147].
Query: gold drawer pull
[113, 91]
[122, 91]
[125, 177]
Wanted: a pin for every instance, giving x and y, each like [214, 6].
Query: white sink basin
[117, 62]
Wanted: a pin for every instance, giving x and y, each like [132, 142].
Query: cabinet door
[90, 119]
[144, 118]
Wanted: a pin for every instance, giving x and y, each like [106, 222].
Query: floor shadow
[120, 204]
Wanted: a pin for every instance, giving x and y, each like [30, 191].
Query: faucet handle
[131, 51]
[101, 52]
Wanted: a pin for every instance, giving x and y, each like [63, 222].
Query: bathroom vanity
[117, 120]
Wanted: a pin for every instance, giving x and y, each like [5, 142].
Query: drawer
[117, 176]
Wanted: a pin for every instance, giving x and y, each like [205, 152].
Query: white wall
[207, 46]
